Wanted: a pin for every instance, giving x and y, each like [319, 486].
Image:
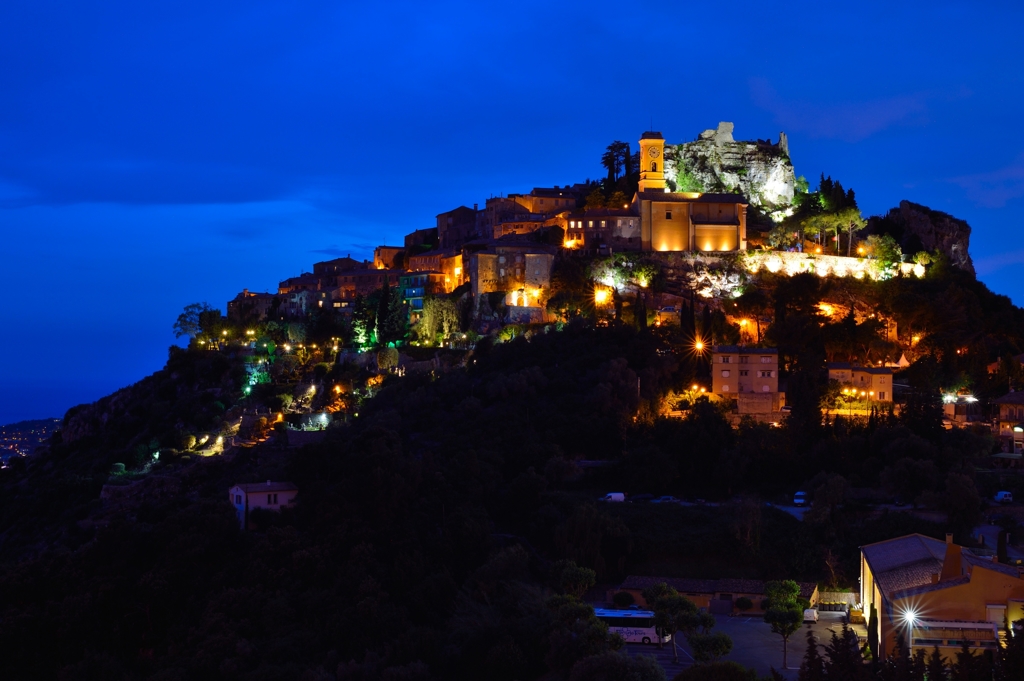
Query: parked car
[665, 500]
[800, 499]
[613, 496]
[810, 615]
[641, 498]
[1004, 497]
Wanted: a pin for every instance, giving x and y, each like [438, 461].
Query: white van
[1004, 497]
[810, 615]
[613, 496]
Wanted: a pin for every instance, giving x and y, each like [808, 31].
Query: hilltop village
[697, 420]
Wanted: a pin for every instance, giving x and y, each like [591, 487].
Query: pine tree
[964, 667]
[813, 667]
[918, 666]
[936, 668]
[1010, 661]
[843, 661]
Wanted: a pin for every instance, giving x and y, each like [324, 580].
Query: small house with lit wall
[269, 495]
[870, 383]
[935, 593]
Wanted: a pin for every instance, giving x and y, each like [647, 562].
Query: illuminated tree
[783, 612]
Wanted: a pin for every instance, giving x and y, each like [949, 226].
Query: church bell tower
[652, 162]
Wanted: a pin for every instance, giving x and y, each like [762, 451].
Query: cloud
[994, 188]
[849, 121]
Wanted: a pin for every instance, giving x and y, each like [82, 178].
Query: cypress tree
[873, 633]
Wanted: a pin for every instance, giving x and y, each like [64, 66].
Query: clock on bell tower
[652, 160]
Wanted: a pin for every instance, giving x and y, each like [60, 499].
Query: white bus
[634, 626]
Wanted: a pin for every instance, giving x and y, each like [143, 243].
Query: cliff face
[919, 228]
[715, 162]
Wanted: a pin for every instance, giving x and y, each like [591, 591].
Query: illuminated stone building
[522, 271]
[388, 257]
[247, 306]
[874, 382]
[618, 228]
[684, 221]
[748, 375]
[935, 593]
[448, 262]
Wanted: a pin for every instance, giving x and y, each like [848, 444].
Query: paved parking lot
[753, 644]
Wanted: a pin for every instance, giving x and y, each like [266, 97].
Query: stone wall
[824, 265]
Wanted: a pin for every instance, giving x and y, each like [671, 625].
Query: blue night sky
[158, 154]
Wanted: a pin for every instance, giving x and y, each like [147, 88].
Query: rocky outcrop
[919, 228]
[715, 162]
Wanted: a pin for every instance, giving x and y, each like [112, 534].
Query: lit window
[725, 373]
[766, 360]
[725, 388]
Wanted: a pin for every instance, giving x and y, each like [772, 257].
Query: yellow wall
[715, 238]
[670, 234]
[966, 602]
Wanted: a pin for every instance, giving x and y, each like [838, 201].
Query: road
[754, 645]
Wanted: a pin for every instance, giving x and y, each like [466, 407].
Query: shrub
[743, 604]
[387, 359]
[623, 599]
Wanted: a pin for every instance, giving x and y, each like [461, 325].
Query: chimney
[951, 565]
[935, 578]
[949, 538]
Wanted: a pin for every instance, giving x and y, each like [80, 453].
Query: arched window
[654, 166]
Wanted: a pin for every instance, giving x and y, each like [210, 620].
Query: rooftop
[268, 486]
[685, 585]
[743, 350]
[1012, 398]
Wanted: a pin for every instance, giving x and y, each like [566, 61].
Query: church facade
[684, 221]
